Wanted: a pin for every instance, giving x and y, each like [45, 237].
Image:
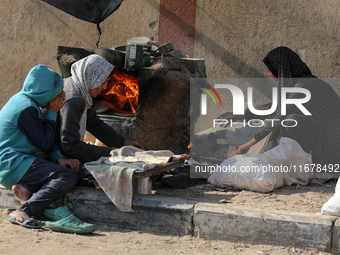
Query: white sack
[332, 206]
[264, 172]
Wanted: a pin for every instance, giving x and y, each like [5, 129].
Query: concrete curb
[298, 230]
[8, 199]
[169, 215]
[155, 214]
[336, 238]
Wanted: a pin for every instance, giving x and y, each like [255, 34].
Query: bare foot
[20, 213]
[21, 193]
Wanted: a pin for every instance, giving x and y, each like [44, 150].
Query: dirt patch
[294, 198]
[15, 240]
[308, 199]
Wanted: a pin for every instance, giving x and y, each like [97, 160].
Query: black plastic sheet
[94, 11]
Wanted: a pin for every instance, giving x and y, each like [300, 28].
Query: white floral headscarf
[89, 73]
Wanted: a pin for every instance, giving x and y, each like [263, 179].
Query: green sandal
[57, 213]
[70, 224]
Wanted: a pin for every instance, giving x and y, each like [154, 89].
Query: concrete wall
[233, 36]
[32, 30]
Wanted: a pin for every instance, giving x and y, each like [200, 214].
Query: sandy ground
[15, 239]
[295, 198]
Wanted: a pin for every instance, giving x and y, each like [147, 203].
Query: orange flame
[190, 145]
[122, 91]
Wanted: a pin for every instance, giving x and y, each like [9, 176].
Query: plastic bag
[267, 171]
[94, 11]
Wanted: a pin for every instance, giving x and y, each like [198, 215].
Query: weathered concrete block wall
[233, 36]
[31, 32]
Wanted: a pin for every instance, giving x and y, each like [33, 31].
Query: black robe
[318, 134]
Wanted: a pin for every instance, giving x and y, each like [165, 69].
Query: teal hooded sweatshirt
[40, 86]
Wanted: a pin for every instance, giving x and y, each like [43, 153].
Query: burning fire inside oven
[122, 91]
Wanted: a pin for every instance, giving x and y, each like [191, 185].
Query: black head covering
[285, 63]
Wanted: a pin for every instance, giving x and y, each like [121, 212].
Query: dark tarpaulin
[94, 11]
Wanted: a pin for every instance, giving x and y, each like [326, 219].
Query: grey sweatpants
[47, 182]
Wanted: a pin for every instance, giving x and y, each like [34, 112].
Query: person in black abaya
[318, 133]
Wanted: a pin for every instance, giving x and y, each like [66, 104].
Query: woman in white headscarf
[89, 76]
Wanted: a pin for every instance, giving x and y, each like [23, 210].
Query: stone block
[154, 214]
[336, 237]
[259, 227]
[7, 198]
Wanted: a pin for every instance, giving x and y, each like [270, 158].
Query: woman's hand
[71, 163]
[134, 144]
[57, 103]
[242, 149]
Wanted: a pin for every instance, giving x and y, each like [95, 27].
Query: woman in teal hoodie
[36, 182]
